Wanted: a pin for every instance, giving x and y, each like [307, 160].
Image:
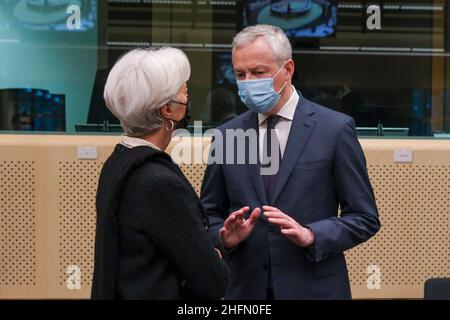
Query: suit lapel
[301, 129]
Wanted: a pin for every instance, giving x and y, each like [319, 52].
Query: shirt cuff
[225, 250]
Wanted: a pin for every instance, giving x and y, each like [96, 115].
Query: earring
[172, 126]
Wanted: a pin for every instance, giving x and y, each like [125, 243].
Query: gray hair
[274, 36]
[140, 83]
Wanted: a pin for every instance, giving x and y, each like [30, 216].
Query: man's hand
[236, 228]
[301, 236]
[218, 253]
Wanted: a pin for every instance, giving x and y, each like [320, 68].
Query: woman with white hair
[151, 240]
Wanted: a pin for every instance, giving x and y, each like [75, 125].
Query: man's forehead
[253, 60]
[254, 49]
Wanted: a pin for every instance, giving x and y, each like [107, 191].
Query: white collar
[287, 111]
[131, 142]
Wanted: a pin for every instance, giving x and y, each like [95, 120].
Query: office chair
[437, 289]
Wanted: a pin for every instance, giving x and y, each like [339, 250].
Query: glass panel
[46, 69]
[55, 56]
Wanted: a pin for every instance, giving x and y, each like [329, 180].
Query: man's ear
[290, 68]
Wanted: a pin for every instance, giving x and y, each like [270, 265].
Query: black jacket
[151, 241]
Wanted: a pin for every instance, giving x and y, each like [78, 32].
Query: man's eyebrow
[258, 67]
[253, 68]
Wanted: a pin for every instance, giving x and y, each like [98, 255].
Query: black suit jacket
[151, 235]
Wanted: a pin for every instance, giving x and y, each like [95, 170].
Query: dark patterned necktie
[271, 180]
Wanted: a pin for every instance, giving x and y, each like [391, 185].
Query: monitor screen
[98, 112]
[46, 15]
[32, 110]
[224, 97]
[224, 70]
[298, 18]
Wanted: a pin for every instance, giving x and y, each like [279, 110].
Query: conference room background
[395, 77]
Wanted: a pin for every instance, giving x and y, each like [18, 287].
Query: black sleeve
[170, 214]
[215, 199]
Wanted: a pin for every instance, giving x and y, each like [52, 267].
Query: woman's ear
[166, 110]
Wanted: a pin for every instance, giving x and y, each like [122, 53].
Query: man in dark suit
[281, 231]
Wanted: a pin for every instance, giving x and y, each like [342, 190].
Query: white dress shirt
[284, 124]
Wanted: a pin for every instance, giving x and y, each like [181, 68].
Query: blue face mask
[258, 94]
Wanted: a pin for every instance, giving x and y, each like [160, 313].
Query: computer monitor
[373, 131]
[43, 15]
[298, 18]
[113, 128]
[441, 135]
[27, 109]
[98, 112]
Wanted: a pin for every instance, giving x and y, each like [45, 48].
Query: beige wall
[47, 215]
